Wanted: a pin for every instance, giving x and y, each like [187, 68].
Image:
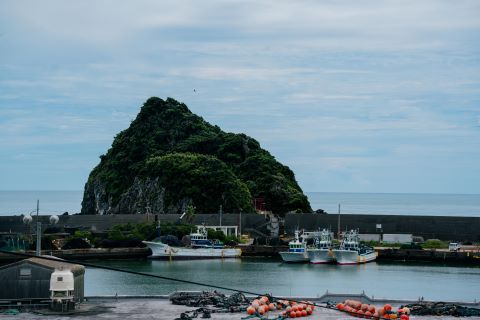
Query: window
[59, 279]
[25, 272]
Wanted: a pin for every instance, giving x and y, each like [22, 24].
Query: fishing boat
[351, 252]
[297, 250]
[200, 248]
[322, 250]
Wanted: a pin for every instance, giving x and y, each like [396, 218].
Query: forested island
[170, 159]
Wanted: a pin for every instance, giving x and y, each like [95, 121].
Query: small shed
[29, 279]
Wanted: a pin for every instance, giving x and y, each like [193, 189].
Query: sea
[393, 280]
[59, 202]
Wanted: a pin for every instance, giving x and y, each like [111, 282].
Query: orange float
[309, 310]
[261, 310]
[298, 313]
[250, 310]
[387, 307]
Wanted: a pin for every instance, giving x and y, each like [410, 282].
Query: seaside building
[36, 280]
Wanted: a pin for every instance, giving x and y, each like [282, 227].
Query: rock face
[170, 158]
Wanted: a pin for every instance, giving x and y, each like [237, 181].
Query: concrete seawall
[428, 227]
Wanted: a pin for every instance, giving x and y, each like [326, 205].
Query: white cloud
[340, 85]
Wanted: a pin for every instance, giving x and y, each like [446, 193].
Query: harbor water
[381, 280]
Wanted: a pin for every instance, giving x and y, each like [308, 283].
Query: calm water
[18, 202]
[388, 280]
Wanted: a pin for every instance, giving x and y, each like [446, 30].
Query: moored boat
[200, 248]
[322, 250]
[297, 250]
[351, 252]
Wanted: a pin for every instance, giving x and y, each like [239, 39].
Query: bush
[411, 246]
[148, 231]
[435, 244]
[76, 243]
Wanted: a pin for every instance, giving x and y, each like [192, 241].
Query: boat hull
[318, 256]
[353, 257]
[294, 257]
[164, 251]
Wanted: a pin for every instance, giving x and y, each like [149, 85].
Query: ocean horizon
[58, 202]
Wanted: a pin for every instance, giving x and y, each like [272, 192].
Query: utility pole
[220, 213]
[240, 223]
[39, 232]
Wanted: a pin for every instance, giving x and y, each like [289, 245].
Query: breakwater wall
[428, 227]
[101, 223]
[463, 257]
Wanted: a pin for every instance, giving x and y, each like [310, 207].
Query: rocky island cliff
[170, 158]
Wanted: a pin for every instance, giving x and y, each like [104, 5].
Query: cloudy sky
[358, 96]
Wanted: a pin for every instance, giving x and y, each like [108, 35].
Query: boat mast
[338, 223]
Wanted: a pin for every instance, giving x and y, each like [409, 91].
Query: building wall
[14, 286]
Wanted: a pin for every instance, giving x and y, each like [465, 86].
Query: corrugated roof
[60, 264]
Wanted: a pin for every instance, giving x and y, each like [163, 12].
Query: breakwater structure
[449, 228]
[446, 228]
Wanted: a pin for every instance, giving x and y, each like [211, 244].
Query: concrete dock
[127, 308]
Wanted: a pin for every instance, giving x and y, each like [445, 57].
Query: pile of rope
[209, 302]
[442, 309]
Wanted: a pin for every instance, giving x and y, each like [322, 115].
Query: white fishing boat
[350, 251]
[297, 250]
[200, 248]
[322, 250]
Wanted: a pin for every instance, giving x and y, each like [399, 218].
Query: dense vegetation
[194, 162]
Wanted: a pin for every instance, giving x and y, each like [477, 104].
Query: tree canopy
[194, 160]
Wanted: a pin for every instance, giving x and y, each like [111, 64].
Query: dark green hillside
[169, 158]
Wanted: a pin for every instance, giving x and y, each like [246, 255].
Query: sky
[354, 96]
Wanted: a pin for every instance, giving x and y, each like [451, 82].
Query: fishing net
[209, 302]
[442, 309]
